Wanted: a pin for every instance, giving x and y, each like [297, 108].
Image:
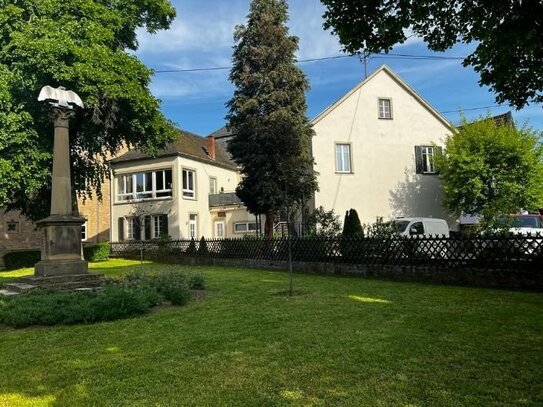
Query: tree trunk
[268, 227]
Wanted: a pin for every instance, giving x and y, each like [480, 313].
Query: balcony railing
[224, 199]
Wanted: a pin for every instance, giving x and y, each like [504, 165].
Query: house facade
[374, 151]
[185, 192]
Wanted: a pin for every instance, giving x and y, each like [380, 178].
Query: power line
[301, 61]
[471, 109]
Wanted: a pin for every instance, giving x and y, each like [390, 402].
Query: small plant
[197, 281]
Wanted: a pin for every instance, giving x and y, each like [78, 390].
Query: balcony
[224, 199]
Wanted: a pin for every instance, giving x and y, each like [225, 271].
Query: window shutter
[147, 228]
[164, 221]
[120, 231]
[137, 228]
[418, 160]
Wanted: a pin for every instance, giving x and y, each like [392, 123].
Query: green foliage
[351, 225]
[202, 247]
[21, 259]
[100, 251]
[86, 46]
[52, 307]
[506, 34]
[170, 283]
[492, 170]
[324, 223]
[380, 228]
[197, 281]
[267, 113]
[191, 250]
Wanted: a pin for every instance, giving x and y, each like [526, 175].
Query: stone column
[61, 248]
[61, 194]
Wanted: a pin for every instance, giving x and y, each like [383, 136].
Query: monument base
[61, 249]
[47, 268]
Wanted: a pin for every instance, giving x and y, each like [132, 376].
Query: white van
[421, 227]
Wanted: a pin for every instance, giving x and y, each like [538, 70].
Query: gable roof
[399, 81]
[188, 145]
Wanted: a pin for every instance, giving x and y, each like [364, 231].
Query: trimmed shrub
[21, 259]
[100, 251]
[202, 248]
[191, 250]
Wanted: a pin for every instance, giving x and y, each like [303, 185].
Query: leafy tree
[84, 45]
[507, 33]
[352, 226]
[268, 114]
[491, 169]
[324, 223]
[202, 247]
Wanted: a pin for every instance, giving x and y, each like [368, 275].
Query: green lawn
[342, 342]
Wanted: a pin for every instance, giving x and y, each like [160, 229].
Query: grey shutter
[147, 228]
[418, 160]
[137, 228]
[120, 230]
[164, 221]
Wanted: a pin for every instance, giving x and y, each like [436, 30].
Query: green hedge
[100, 251]
[21, 259]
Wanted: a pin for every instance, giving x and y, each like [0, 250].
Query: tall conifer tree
[267, 114]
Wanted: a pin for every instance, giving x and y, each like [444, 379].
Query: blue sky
[202, 36]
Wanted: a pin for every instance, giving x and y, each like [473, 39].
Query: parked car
[421, 227]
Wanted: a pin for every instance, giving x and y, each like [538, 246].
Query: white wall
[384, 180]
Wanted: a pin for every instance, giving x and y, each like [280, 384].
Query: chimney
[211, 148]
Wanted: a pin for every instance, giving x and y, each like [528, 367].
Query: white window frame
[222, 225]
[247, 228]
[187, 192]
[84, 232]
[213, 185]
[130, 229]
[384, 108]
[344, 165]
[428, 160]
[126, 194]
[156, 226]
[193, 226]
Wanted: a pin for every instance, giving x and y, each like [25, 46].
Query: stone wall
[28, 236]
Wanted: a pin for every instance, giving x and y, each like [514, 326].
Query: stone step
[8, 293]
[19, 287]
[89, 278]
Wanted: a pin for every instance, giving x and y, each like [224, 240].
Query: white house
[186, 191]
[374, 151]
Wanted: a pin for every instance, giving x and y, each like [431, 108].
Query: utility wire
[301, 61]
[471, 109]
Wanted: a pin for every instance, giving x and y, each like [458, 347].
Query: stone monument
[61, 247]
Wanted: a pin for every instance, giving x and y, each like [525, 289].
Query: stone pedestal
[61, 248]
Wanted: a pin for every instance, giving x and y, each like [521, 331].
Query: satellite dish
[60, 97]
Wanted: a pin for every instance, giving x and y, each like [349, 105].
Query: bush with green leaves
[58, 307]
[100, 251]
[197, 281]
[21, 259]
